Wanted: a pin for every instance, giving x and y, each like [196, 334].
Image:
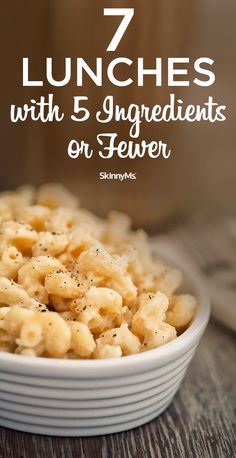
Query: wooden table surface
[200, 422]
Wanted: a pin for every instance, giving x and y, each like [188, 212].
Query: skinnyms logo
[117, 176]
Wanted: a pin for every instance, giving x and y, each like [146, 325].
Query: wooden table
[200, 423]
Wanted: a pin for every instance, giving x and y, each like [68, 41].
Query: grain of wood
[200, 423]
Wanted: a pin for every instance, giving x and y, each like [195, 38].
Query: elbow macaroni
[76, 286]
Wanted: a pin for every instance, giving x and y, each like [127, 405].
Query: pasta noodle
[73, 285]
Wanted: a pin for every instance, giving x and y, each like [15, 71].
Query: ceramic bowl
[94, 397]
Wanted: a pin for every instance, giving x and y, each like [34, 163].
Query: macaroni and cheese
[73, 285]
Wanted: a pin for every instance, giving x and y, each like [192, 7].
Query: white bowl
[93, 397]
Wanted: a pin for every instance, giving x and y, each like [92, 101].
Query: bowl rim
[160, 354]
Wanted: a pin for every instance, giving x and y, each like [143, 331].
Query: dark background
[201, 172]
